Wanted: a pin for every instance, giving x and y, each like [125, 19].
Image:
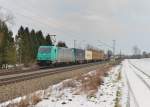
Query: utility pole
[53, 39]
[75, 43]
[120, 54]
[114, 47]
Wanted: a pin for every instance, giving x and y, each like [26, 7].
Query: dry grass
[117, 103]
[11, 91]
[91, 82]
[35, 99]
[11, 105]
[23, 103]
[69, 83]
[26, 102]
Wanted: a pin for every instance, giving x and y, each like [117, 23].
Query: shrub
[35, 99]
[23, 103]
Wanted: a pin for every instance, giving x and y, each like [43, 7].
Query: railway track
[141, 78]
[136, 71]
[139, 69]
[18, 71]
[26, 75]
[132, 66]
[130, 93]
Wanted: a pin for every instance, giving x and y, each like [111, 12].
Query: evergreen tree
[24, 48]
[28, 44]
[34, 43]
[40, 38]
[28, 48]
[11, 52]
[48, 40]
[19, 42]
[62, 44]
[7, 46]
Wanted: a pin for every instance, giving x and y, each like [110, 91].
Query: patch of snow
[65, 94]
[105, 96]
[139, 92]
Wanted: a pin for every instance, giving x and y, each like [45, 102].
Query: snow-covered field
[113, 92]
[105, 96]
[137, 75]
[143, 64]
[126, 85]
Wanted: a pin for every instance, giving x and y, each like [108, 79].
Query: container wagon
[79, 55]
[65, 55]
[97, 55]
[102, 56]
[88, 55]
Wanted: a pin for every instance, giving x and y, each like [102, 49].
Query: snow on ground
[138, 83]
[142, 64]
[105, 96]
[112, 92]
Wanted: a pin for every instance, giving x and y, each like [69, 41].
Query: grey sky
[128, 22]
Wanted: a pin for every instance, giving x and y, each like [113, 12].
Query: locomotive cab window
[44, 50]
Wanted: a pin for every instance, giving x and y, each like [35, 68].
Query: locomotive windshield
[44, 50]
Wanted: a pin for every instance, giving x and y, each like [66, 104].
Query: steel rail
[12, 78]
[139, 69]
[18, 71]
[130, 92]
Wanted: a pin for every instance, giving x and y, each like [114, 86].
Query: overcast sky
[126, 21]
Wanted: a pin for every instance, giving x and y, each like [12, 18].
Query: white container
[88, 55]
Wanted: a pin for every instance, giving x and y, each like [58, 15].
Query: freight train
[53, 55]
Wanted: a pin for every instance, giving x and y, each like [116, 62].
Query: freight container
[88, 55]
[79, 55]
[97, 55]
[102, 55]
[65, 55]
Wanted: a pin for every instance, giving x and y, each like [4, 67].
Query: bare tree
[62, 44]
[136, 50]
[145, 54]
[90, 47]
[6, 16]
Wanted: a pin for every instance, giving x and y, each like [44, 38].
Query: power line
[41, 22]
[114, 47]
[104, 44]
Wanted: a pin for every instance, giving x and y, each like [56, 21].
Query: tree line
[23, 47]
[28, 42]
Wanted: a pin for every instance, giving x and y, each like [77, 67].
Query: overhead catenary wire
[44, 21]
[45, 24]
